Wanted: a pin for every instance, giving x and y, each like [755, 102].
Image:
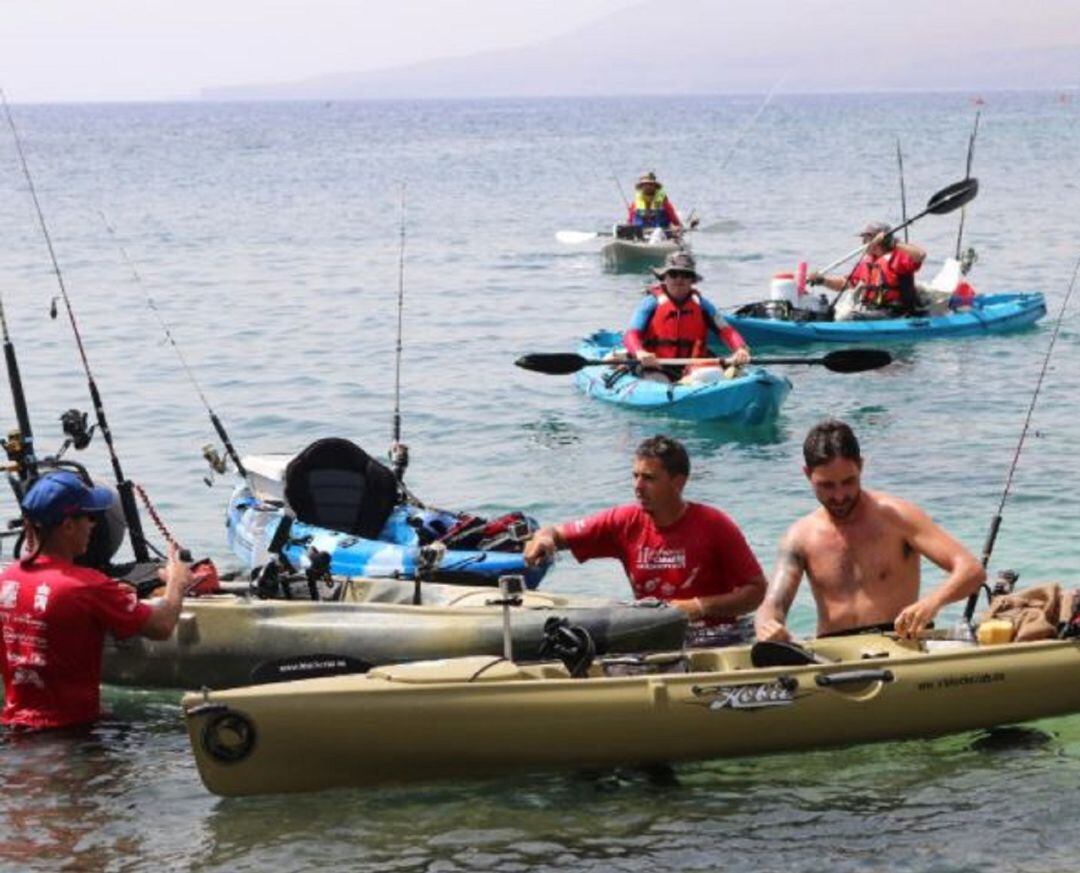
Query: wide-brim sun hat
[648, 179]
[679, 262]
[62, 494]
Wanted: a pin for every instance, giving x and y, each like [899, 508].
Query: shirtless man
[861, 551]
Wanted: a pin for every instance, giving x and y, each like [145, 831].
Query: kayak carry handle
[853, 677]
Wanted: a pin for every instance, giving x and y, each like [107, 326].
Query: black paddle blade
[856, 360]
[953, 196]
[554, 363]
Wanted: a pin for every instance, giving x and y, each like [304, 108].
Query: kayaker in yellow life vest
[861, 551]
[652, 207]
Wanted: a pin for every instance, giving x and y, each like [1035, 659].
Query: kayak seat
[335, 484]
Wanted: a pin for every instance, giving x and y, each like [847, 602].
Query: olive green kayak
[483, 715]
[227, 640]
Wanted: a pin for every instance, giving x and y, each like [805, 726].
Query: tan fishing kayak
[223, 641]
[474, 716]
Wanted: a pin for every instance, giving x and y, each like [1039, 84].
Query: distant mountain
[717, 46]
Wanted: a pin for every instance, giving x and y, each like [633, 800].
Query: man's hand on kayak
[541, 548]
[773, 631]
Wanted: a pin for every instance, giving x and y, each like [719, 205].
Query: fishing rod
[399, 452]
[967, 175]
[618, 184]
[124, 486]
[903, 193]
[19, 446]
[211, 456]
[995, 523]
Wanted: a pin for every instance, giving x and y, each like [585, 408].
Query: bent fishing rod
[967, 175]
[211, 456]
[995, 523]
[124, 486]
[399, 452]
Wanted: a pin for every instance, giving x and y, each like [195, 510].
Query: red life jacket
[676, 331]
[883, 286]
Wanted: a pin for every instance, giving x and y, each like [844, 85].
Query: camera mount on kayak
[570, 644]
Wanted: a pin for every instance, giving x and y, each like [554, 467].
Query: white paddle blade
[574, 237]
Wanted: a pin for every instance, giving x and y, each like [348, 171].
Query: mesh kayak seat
[335, 484]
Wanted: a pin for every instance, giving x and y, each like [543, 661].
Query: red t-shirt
[53, 619]
[702, 554]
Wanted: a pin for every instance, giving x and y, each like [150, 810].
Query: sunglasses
[93, 516]
[680, 274]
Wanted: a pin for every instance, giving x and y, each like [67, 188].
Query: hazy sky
[60, 50]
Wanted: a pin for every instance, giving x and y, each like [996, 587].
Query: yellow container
[995, 632]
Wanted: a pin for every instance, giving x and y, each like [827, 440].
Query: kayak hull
[753, 398]
[625, 254]
[252, 525]
[478, 716]
[997, 313]
[221, 641]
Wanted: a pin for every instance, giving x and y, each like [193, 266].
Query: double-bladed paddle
[840, 361]
[948, 199]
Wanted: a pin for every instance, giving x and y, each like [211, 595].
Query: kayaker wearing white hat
[861, 551]
[886, 274]
[674, 320]
[689, 554]
[652, 207]
[54, 614]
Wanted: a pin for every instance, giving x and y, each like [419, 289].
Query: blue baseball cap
[60, 495]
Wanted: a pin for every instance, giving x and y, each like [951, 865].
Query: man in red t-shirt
[691, 555]
[54, 614]
[885, 276]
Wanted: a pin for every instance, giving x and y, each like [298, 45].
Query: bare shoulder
[897, 510]
[800, 531]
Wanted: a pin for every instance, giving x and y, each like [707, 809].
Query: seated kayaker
[688, 554]
[652, 207]
[861, 551]
[885, 277]
[674, 320]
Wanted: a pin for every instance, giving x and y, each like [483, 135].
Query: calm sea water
[268, 237]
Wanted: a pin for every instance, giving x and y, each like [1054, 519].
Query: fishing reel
[77, 430]
[217, 464]
[967, 260]
[15, 447]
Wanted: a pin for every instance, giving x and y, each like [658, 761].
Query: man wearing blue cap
[54, 614]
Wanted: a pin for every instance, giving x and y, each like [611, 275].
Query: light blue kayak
[752, 398]
[254, 526]
[994, 313]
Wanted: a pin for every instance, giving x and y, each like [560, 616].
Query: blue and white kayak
[255, 525]
[994, 313]
[751, 398]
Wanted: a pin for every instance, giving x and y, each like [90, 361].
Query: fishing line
[138, 541]
[750, 123]
[995, 524]
[214, 420]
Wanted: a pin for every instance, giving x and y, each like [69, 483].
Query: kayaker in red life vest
[651, 206]
[886, 274]
[54, 614]
[688, 554]
[862, 551]
[674, 320]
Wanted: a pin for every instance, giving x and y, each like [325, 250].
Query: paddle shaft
[959, 192]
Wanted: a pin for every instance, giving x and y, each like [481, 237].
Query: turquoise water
[268, 236]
